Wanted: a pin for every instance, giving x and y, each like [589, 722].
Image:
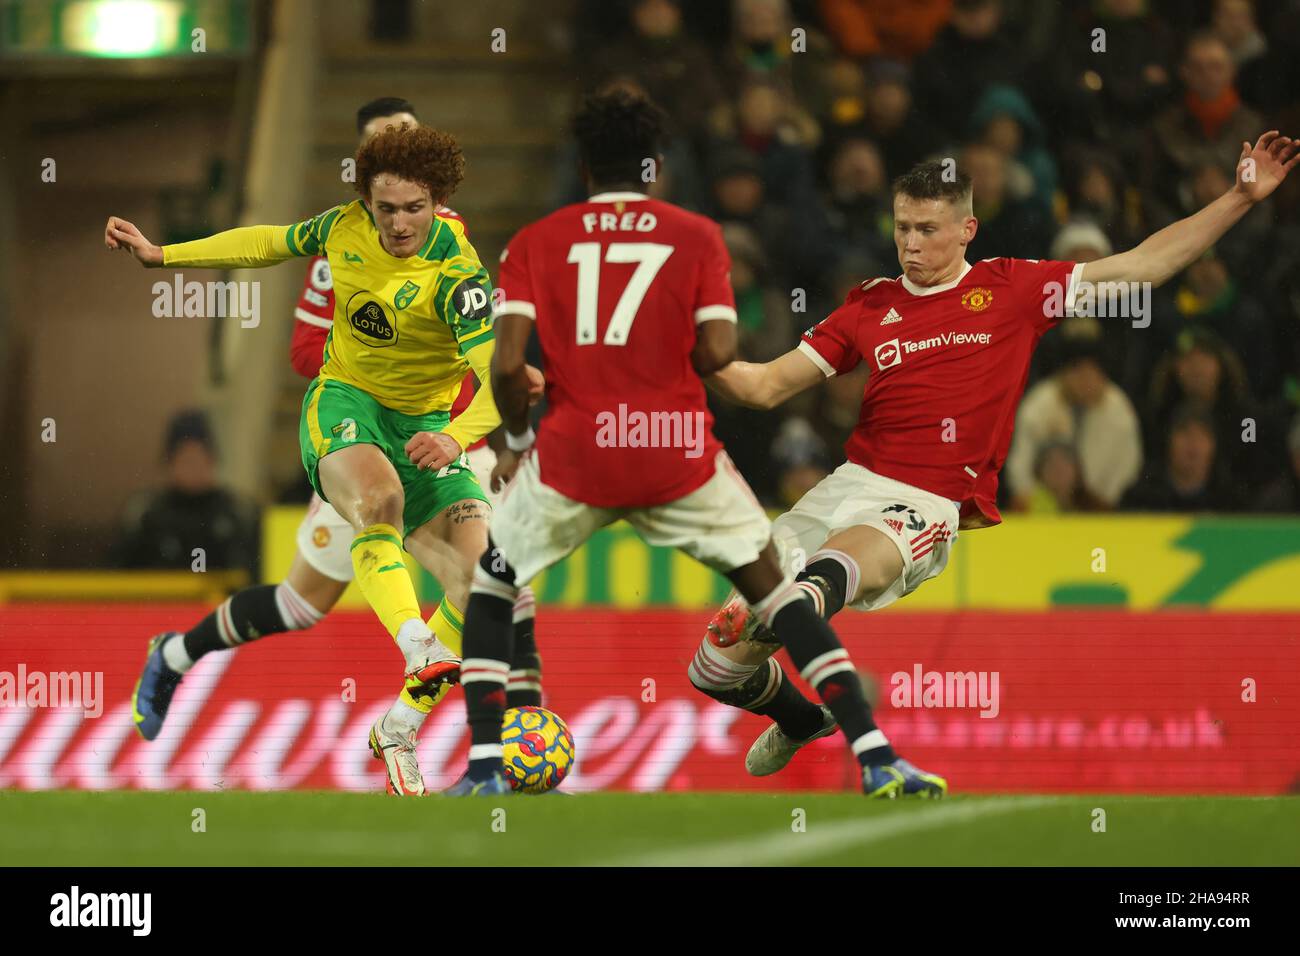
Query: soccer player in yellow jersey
[412, 316]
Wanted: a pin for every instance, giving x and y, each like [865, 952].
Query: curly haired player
[412, 318]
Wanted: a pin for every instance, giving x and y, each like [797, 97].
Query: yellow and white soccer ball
[538, 749]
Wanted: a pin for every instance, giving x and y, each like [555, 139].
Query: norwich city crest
[405, 295]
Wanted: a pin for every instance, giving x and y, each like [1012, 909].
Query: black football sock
[795, 714]
[248, 615]
[524, 688]
[825, 581]
[825, 665]
[759, 688]
[485, 668]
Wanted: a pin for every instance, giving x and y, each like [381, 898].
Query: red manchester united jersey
[948, 366]
[315, 318]
[617, 286]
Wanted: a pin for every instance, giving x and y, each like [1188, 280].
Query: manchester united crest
[320, 537]
[977, 299]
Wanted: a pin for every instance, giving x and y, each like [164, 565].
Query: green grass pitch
[65, 828]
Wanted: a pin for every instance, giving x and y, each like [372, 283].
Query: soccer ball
[538, 749]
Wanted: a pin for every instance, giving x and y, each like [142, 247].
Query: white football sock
[403, 718]
[413, 639]
[174, 656]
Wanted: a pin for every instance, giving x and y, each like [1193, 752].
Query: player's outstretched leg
[783, 606]
[485, 672]
[245, 616]
[747, 677]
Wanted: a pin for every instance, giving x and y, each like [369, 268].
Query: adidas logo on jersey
[890, 317]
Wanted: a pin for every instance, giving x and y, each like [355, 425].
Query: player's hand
[504, 470]
[120, 234]
[536, 386]
[432, 450]
[1262, 167]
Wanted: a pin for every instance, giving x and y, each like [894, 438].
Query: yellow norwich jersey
[403, 328]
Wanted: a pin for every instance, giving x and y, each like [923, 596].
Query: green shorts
[336, 415]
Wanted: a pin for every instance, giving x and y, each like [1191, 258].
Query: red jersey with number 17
[948, 366]
[617, 286]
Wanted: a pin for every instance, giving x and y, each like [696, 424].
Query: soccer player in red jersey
[633, 305]
[948, 345]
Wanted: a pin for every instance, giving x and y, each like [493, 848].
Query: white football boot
[774, 748]
[397, 751]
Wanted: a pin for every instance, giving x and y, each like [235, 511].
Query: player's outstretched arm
[767, 384]
[122, 234]
[247, 247]
[1164, 254]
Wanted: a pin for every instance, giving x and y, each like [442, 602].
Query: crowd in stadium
[1085, 127]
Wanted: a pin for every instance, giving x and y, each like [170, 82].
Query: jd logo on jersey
[405, 295]
[372, 324]
[472, 301]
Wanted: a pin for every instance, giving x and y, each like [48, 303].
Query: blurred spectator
[970, 54]
[1208, 126]
[861, 212]
[867, 28]
[801, 460]
[738, 195]
[1096, 188]
[1058, 483]
[1233, 22]
[1107, 95]
[1079, 240]
[674, 68]
[1192, 478]
[1079, 405]
[1207, 296]
[761, 47]
[1202, 372]
[1004, 120]
[878, 105]
[1007, 227]
[1243, 245]
[765, 322]
[794, 240]
[161, 529]
[766, 125]
[1283, 493]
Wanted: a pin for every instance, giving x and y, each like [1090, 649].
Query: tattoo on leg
[463, 511]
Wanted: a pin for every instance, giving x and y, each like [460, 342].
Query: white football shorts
[720, 524]
[921, 524]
